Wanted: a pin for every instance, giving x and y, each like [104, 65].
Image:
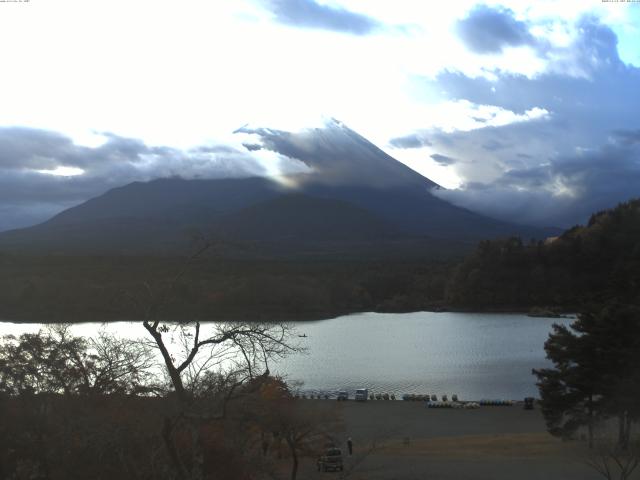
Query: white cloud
[188, 73]
[463, 115]
[183, 73]
[63, 171]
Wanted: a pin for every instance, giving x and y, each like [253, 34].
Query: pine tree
[596, 372]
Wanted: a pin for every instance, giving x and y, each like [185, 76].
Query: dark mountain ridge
[355, 194]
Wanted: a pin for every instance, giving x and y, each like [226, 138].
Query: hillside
[586, 263]
[354, 199]
[103, 288]
[594, 262]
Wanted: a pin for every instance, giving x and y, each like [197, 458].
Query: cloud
[34, 149]
[627, 137]
[539, 176]
[252, 147]
[563, 193]
[464, 115]
[583, 157]
[443, 159]
[493, 145]
[409, 141]
[28, 196]
[310, 14]
[490, 30]
[20, 148]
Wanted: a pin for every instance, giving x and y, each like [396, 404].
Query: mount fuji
[353, 198]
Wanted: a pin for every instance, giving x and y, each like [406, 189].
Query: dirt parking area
[406, 441]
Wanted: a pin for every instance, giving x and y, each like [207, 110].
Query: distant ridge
[355, 195]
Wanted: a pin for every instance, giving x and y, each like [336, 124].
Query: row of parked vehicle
[466, 405]
[412, 397]
[362, 394]
[496, 403]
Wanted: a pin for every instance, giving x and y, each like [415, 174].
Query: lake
[474, 355]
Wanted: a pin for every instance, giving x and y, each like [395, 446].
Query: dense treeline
[80, 288]
[598, 261]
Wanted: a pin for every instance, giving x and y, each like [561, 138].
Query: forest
[592, 263]
[81, 288]
[595, 262]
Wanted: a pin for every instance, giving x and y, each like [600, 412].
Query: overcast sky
[524, 110]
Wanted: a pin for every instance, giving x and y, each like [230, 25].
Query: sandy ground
[405, 440]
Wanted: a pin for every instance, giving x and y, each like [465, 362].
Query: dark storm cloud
[309, 14]
[22, 148]
[553, 184]
[493, 145]
[212, 149]
[627, 137]
[557, 170]
[587, 72]
[443, 159]
[28, 196]
[28, 148]
[252, 147]
[409, 141]
[489, 30]
[593, 181]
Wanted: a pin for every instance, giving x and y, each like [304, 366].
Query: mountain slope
[298, 217]
[340, 156]
[184, 201]
[348, 167]
[592, 263]
[354, 194]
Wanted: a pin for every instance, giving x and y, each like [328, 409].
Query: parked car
[361, 395]
[342, 395]
[331, 461]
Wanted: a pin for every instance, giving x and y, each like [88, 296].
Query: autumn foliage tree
[599, 261]
[69, 406]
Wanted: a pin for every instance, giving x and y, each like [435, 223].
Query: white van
[362, 394]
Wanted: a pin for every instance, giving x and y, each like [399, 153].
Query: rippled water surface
[471, 354]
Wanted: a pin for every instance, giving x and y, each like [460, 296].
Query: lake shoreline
[313, 317]
[475, 356]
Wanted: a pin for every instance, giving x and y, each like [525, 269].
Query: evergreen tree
[569, 391]
[596, 372]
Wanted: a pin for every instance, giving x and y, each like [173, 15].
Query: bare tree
[60, 391]
[56, 361]
[206, 364]
[612, 461]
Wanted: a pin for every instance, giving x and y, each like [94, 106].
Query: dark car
[343, 395]
[331, 461]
